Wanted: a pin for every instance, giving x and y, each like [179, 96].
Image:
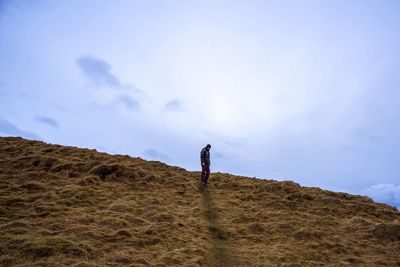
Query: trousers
[205, 172]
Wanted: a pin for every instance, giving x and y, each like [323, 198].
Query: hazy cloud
[280, 98]
[219, 155]
[174, 105]
[385, 193]
[97, 71]
[154, 154]
[4, 91]
[241, 141]
[49, 121]
[8, 128]
[129, 102]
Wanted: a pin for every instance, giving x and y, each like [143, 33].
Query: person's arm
[203, 157]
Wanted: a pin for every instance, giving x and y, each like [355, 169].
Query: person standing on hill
[205, 164]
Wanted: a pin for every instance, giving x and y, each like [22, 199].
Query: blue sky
[291, 90]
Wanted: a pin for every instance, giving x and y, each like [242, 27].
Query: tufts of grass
[66, 206]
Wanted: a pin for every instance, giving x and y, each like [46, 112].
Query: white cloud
[386, 193]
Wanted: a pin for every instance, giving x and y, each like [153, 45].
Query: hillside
[71, 206]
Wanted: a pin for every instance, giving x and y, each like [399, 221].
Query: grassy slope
[273, 223]
[65, 205]
[71, 206]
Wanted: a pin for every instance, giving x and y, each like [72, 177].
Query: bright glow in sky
[298, 90]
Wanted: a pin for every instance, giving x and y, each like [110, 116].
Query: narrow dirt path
[220, 253]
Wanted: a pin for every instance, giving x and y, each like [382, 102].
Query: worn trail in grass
[220, 252]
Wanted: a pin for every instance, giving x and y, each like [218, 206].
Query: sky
[306, 91]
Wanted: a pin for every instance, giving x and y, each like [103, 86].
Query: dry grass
[70, 206]
[283, 224]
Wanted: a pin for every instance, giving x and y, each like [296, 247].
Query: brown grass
[70, 206]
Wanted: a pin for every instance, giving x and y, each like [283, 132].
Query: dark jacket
[205, 156]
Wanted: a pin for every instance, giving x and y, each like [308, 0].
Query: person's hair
[208, 145]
